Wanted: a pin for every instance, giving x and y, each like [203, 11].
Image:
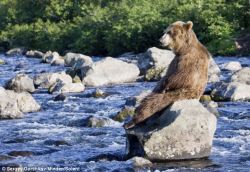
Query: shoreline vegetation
[113, 27]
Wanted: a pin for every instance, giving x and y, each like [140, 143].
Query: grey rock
[15, 51]
[242, 76]
[110, 71]
[213, 71]
[184, 131]
[34, 54]
[233, 91]
[139, 162]
[20, 83]
[155, 59]
[77, 61]
[232, 66]
[61, 87]
[101, 122]
[46, 80]
[8, 107]
[25, 102]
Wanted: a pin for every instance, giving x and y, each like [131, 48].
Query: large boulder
[8, 107]
[61, 87]
[242, 76]
[21, 82]
[15, 51]
[231, 66]
[233, 91]
[110, 71]
[25, 102]
[213, 71]
[46, 80]
[77, 61]
[154, 63]
[183, 131]
[34, 54]
[53, 58]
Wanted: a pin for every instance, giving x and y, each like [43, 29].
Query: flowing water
[57, 135]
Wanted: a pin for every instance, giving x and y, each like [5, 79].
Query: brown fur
[186, 77]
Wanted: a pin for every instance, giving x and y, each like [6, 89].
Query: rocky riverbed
[79, 132]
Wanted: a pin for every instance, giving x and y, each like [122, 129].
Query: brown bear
[186, 77]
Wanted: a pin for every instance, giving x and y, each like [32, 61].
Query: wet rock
[231, 91]
[98, 93]
[232, 66]
[61, 87]
[53, 58]
[76, 79]
[26, 103]
[8, 107]
[60, 97]
[242, 76]
[154, 74]
[130, 57]
[34, 54]
[20, 153]
[46, 80]
[211, 107]
[2, 62]
[77, 61]
[15, 52]
[136, 100]
[57, 61]
[213, 71]
[100, 122]
[57, 142]
[125, 113]
[185, 130]
[154, 63]
[20, 83]
[5, 158]
[104, 157]
[140, 162]
[205, 98]
[110, 71]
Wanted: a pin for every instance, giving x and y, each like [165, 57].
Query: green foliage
[102, 27]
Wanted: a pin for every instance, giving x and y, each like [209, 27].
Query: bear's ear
[188, 25]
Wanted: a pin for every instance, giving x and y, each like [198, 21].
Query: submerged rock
[20, 83]
[183, 131]
[100, 122]
[2, 62]
[242, 76]
[60, 97]
[154, 63]
[61, 87]
[46, 80]
[20, 153]
[110, 71]
[15, 51]
[34, 54]
[232, 66]
[231, 91]
[125, 113]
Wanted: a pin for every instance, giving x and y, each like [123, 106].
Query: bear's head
[178, 36]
